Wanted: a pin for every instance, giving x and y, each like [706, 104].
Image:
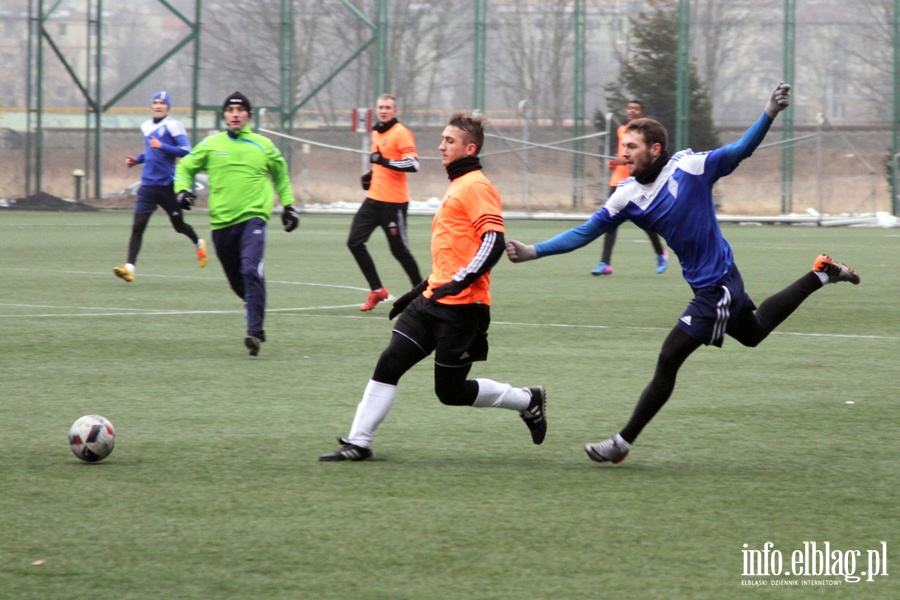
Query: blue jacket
[159, 163]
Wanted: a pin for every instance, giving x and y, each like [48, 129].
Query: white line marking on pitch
[141, 312]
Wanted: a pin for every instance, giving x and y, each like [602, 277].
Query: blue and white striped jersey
[159, 163]
[678, 205]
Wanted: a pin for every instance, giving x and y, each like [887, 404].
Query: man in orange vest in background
[635, 110]
[393, 155]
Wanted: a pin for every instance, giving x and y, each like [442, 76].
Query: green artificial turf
[214, 489]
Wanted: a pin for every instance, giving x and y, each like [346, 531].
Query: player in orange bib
[449, 313]
[618, 174]
[393, 156]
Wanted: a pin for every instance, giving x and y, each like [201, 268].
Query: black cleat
[536, 414]
[253, 342]
[347, 451]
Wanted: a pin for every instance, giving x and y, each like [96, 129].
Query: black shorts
[457, 334]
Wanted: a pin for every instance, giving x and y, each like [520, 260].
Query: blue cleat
[662, 262]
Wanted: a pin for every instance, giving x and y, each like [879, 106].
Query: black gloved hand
[378, 159]
[366, 180]
[186, 199]
[448, 289]
[290, 218]
[403, 301]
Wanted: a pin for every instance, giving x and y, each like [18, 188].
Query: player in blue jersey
[165, 140]
[673, 196]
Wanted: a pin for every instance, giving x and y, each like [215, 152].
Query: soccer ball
[92, 438]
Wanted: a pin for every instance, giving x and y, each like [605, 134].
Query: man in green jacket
[241, 166]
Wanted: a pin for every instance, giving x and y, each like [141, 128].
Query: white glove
[780, 100]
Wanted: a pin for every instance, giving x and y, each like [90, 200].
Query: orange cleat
[374, 298]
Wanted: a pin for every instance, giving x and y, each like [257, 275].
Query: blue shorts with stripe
[151, 196]
[716, 309]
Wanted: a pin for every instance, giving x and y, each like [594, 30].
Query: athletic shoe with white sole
[835, 271]
[613, 450]
[535, 416]
[202, 259]
[122, 272]
[347, 451]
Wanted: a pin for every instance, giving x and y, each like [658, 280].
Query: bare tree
[867, 48]
[720, 34]
[242, 49]
[534, 57]
[424, 46]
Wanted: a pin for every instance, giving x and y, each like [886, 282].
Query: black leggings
[450, 383]
[750, 331]
[139, 225]
[609, 241]
[391, 218]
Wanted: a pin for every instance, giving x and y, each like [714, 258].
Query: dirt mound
[44, 201]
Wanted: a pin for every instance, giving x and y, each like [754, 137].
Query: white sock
[371, 411]
[501, 395]
[130, 268]
[823, 276]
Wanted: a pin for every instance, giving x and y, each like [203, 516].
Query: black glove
[366, 180]
[403, 301]
[378, 159]
[290, 218]
[448, 289]
[186, 199]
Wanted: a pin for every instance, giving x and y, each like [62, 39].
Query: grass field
[214, 490]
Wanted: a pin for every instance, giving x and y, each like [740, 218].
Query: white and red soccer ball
[92, 438]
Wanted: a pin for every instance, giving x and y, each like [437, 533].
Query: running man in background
[393, 155]
[449, 313]
[674, 197]
[241, 166]
[165, 140]
[619, 173]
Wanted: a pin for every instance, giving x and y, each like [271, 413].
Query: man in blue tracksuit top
[673, 196]
[165, 140]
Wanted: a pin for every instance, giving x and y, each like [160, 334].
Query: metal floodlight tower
[381, 52]
[895, 146]
[683, 83]
[34, 98]
[787, 150]
[480, 53]
[578, 105]
[287, 85]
